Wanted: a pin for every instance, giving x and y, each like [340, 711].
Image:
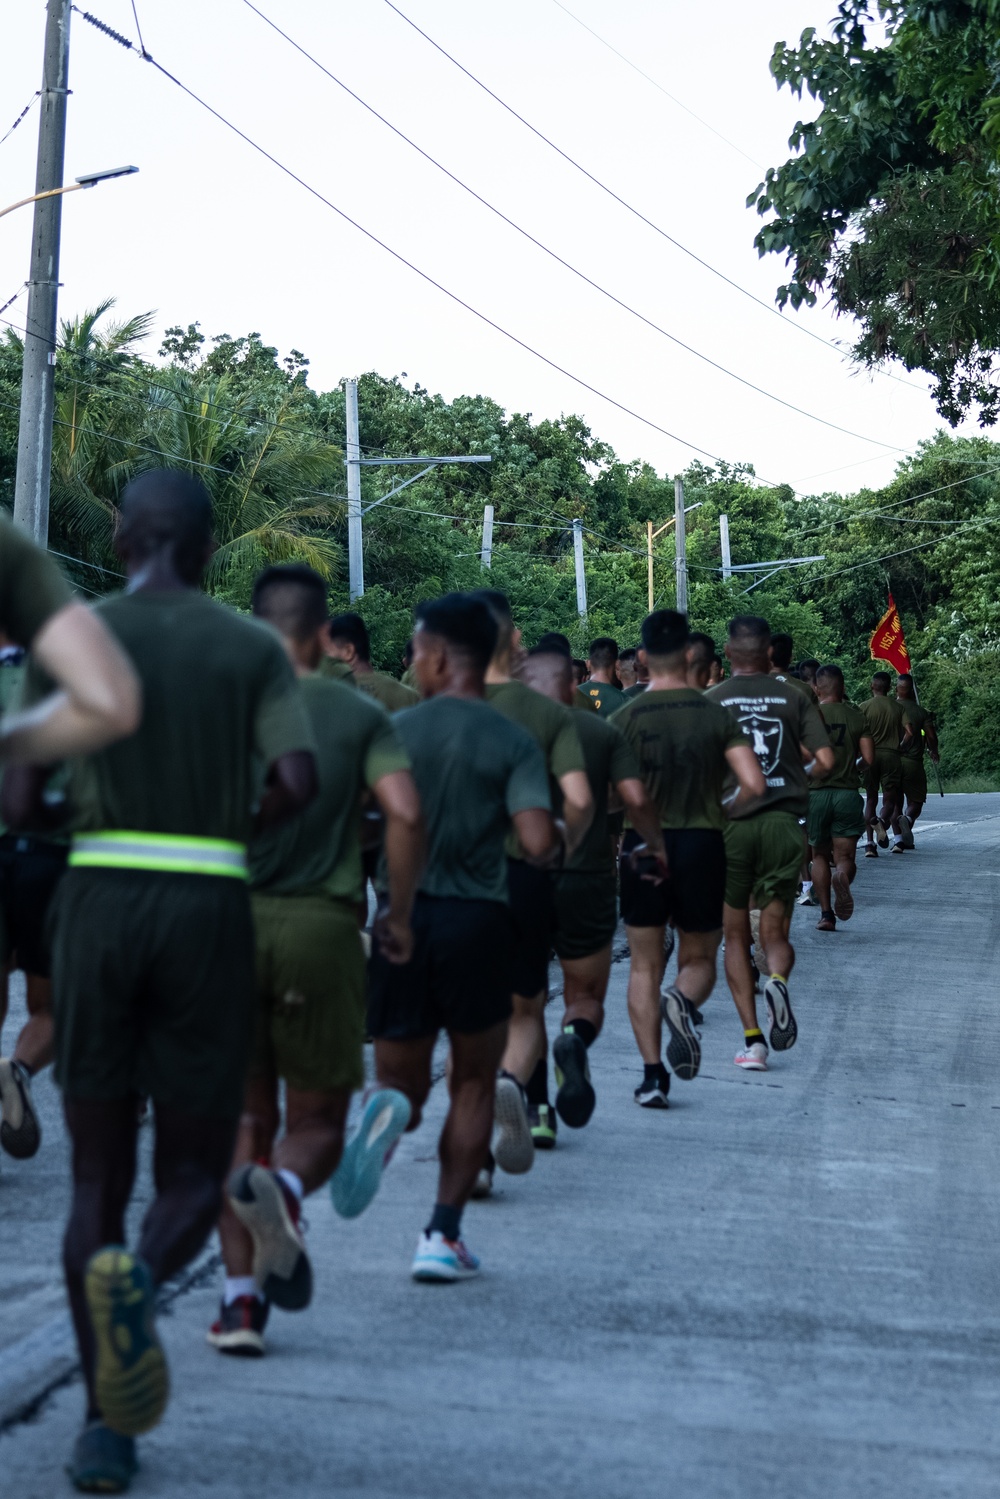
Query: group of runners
[233, 851]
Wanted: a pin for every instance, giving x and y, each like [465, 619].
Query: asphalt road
[786, 1286]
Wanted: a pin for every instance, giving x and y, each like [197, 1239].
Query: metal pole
[355, 557]
[34, 441]
[487, 553]
[649, 563]
[581, 581]
[727, 556]
[680, 565]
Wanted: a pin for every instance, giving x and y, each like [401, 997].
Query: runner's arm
[746, 768]
[399, 801]
[291, 784]
[578, 807]
[866, 747]
[98, 700]
[642, 814]
[930, 734]
[538, 834]
[820, 762]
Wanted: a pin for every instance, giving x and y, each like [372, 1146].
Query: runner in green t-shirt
[532, 894]
[765, 842]
[890, 733]
[602, 689]
[699, 655]
[686, 746]
[911, 760]
[348, 642]
[306, 885]
[153, 976]
[779, 655]
[586, 902]
[836, 812]
[478, 774]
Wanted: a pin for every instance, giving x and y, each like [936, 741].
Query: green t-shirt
[474, 769]
[603, 697]
[845, 725]
[579, 701]
[220, 704]
[885, 719]
[680, 739]
[552, 727]
[386, 690]
[777, 720]
[337, 671]
[609, 759]
[410, 679]
[319, 853]
[32, 588]
[636, 690]
[806, 688]
[917, 717]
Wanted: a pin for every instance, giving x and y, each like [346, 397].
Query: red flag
[887, 643]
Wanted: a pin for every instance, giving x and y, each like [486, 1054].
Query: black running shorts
[586, 911]
[30, 871]
[153, 988]
[691, 897]
[458, 978]
[533, 912]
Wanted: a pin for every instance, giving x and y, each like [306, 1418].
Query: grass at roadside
[965, 784]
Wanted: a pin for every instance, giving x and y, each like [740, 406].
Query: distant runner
[911, 760]
[836, 811]
[890, 732]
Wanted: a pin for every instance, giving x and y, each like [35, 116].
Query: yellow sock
[780, 977]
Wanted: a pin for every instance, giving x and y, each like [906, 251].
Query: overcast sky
[210, 231]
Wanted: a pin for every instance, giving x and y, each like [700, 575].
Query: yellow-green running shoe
[131, 1379]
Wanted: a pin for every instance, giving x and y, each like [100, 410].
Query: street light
[89, 179]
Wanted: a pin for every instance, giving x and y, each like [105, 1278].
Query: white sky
[211, 231]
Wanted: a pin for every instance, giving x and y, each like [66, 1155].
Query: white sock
[806, 886]
[237, 1286]
[293, 1182]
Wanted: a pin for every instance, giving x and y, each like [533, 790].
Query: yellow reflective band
[166, 852]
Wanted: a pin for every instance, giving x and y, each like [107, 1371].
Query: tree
[892, 203]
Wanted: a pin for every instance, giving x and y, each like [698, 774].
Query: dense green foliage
[269, 448]
[892, 202]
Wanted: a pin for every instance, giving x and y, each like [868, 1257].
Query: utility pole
[34, 442]
[355, 556]
[487, 552]
[581, 580]
[727, 557]
[680, 564]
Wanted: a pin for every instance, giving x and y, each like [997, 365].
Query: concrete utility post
[727, 556]
[34, 444]
[355, 556]
[680, 564]
[581, 577]
[487, 552]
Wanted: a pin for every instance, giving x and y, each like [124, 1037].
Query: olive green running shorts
[310, 1026]
[764, 857]
[153, 988]
[886, 772]
[586, 911]
[834, 814]
[914, 778]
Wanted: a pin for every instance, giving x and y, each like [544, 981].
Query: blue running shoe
[103, 1462]
[130, 1376]
[356, 1180]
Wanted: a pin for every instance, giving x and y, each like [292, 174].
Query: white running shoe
[906, 829]
[752, 1058]
[444, 1260]
[881, 836]
[513, 1147]
[806, 898]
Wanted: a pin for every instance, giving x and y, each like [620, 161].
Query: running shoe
[103, 1461]
[356, 1180]
[881, 836]
[444, 1260]
[653, 1095]
[684, 1046]
[542, 1121]
[513, 1146]
[871, 852]
[898, 847]
[843, 900]
[827, 922]
[906, 829]
[669, 942]
[130, 1376]
[806, 898]
[784, 1030]
[576, 1098]
[240, 1327]
[752, 1058]
[482, 1187]
[270, 1212]
[20, 1131]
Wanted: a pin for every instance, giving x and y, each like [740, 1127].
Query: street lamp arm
[53, 192]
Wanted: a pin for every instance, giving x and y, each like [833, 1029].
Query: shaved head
[166, 510]
[550, 673]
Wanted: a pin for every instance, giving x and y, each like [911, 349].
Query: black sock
[653, 1073]
[538, 1084]
[445, 1220]
[583, 1028]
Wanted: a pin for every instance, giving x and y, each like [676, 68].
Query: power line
[20, 117]
[874, 561]
[559, 259]
[842, 520]
[424, 275]
[657, 229]
[650, 79]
